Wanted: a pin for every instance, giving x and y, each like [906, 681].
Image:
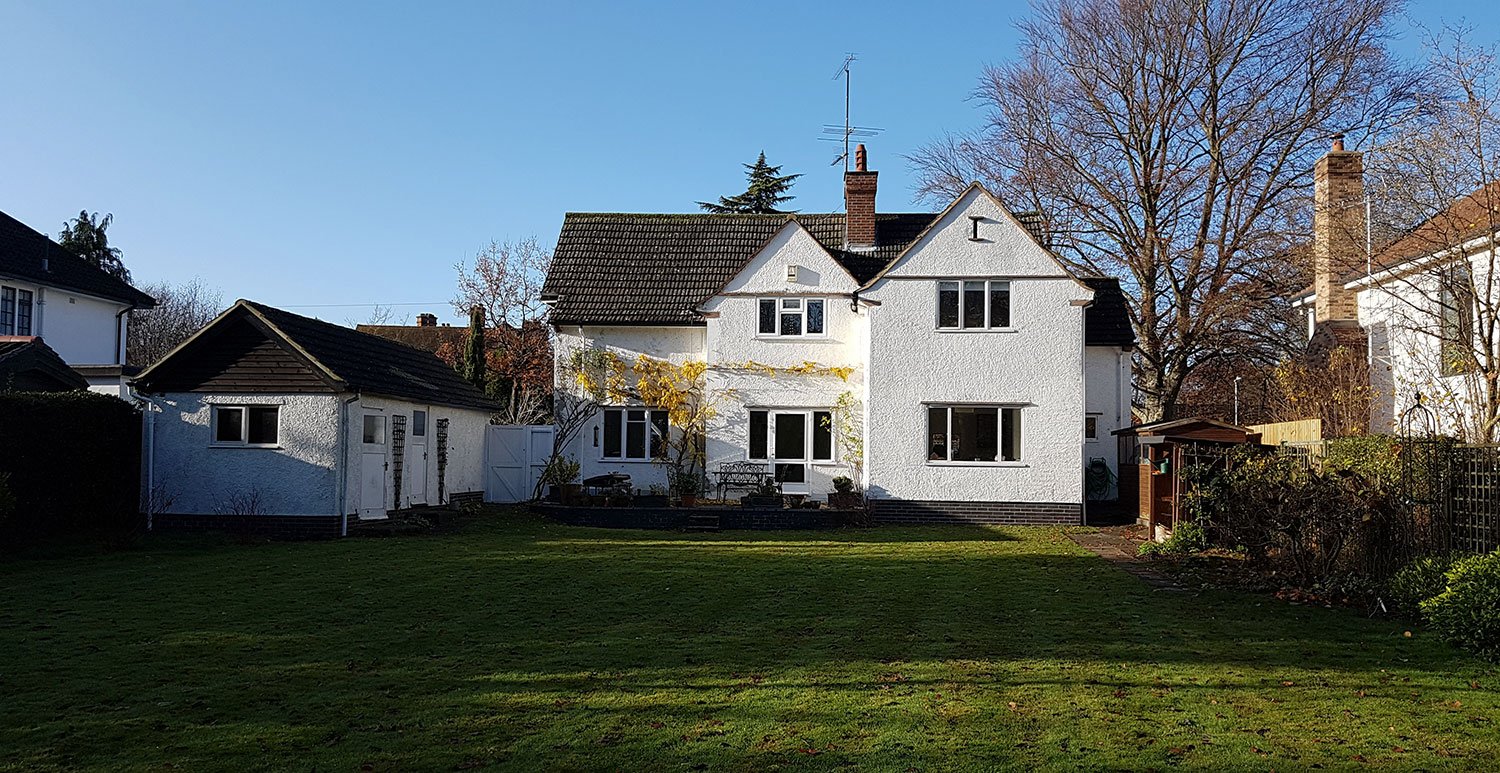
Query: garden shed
[1152, 457]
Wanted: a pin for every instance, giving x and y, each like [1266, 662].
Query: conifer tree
[474, 365]
[85, 237]
[767, 191]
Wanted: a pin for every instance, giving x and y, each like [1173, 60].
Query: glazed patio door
[789, 451]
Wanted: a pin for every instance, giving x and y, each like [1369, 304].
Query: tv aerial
[842, 133]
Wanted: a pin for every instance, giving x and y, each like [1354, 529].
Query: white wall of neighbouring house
[1037, 365]
[82, 329]
[296, 477]
[465, 469]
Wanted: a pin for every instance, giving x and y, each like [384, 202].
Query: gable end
[240, 356]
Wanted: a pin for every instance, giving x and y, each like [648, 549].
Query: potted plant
[687, 485]
[767, 497]
[654, 496]
[844, 497]
[560, 474]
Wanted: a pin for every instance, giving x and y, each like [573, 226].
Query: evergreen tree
[767, 191]
[85, 237]
[474, 366]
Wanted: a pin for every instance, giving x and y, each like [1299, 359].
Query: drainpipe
[120, 336]
[152, 409]
[343, 493]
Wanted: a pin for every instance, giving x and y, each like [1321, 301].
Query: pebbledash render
[988, 375]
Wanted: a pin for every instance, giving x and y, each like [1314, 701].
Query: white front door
[372, 467]
[789, 436]
[416, 458]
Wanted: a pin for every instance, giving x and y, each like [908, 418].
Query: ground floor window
[973, 433]
[246, 425]
[791, 438]
[633, 433]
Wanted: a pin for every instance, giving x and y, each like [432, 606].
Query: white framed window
[973, 433]
[7, 311]
[973, 304]
[791, 317]
[1091, 427]
[419, 423]
[374, 429]
[246, 425]
[633, 434]
[814, 435]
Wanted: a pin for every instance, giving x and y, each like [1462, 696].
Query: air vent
[792, 273]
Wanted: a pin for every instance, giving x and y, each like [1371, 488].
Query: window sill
[815, 337]
[255, 446]
[618, 460]
[931, 463]
[977, 330]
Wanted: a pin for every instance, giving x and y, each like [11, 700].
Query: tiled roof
[28, 360]
[1468, 218]
[655, 269]
[362, 362]
[428, 338]
[26, 253]
[1106, 321]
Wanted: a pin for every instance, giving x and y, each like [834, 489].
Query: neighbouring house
[987, 374]
[1406, 310]
[426, 335]
[269, 421]
[28, 364]
[82, 311]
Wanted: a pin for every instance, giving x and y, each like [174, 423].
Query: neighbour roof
[1192, 428]
[1106, 321]
[348, 359]
[26, 253]
[29, 363]
[1467, 218]
[647, 269]
[428, 338]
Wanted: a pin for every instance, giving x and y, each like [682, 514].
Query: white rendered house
[987, 374]
[80, 311]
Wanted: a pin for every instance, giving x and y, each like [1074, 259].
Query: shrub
[1375, 457]
[1467, 612]
[561, 470]
[843, 484]
[1188, 537]
[1419, 581]
[7, 499]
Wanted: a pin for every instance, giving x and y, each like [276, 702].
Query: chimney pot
[426, 320]
[1338, 143]
[860, 160]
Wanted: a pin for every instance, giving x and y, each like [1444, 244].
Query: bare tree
[505, 283]
[1167, 142]
[181, 309]
[1435, 196]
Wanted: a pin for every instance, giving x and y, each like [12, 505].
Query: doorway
[372, 467]
[417, 458]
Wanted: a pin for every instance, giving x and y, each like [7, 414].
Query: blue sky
[303, 154]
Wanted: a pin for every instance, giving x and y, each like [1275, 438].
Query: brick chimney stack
[859, 204]
[426, 320]
[1338, 230]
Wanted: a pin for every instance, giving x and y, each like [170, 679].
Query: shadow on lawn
[527, 641]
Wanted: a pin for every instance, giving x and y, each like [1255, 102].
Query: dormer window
[791, 317]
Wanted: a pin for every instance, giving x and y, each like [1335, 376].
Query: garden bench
[745, 476]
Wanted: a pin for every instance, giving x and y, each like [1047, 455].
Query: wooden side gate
[514, 455]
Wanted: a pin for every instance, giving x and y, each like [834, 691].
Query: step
[703, 522]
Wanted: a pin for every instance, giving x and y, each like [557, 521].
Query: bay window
[973, 433]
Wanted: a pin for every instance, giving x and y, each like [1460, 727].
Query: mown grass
[527, 645]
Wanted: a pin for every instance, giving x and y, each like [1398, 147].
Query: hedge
[72, 465]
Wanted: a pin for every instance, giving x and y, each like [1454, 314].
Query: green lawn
[528, 645]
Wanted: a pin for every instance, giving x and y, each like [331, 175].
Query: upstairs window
[973, 304]
[790, 317]
[23, 312]
[973, 433]
[7, 311]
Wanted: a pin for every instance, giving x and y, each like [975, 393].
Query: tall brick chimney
[859, 204]
[1338, 230]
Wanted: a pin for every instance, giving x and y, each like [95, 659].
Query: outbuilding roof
[27, 363]
[346, 360]
[26, 253]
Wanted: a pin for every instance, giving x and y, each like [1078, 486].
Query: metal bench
[743, 476]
